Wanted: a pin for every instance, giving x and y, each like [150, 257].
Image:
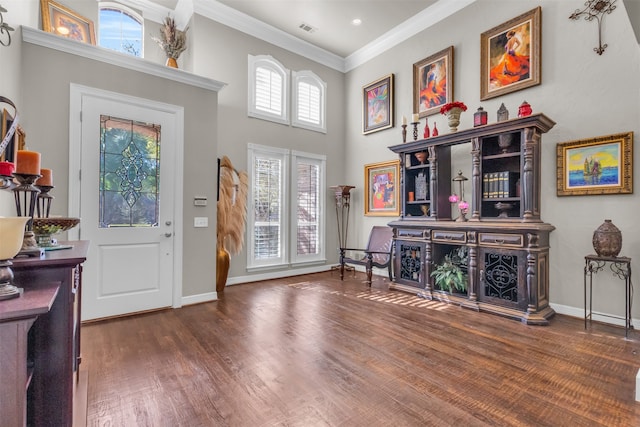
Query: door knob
[167, 234]
[167, 223]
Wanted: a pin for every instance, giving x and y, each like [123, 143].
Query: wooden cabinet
[53, 341]
[504, 239]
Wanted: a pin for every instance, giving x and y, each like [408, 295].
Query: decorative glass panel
[410, 262]
[501, 276]
[129, 173]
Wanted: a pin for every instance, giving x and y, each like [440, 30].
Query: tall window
[309, 101]
[271, 216]
[120, 29]
[268, 83]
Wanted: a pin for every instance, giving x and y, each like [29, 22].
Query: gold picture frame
[433, 82]
[596, 166]
[16, 143]
[510, 55]
[382, 189]
[64, 22]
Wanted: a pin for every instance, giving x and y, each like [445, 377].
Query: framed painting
[510, 55]
[16, 143]
[382, 191]
[377, 105]
[602, 165]
[60, 20]
[433, 82]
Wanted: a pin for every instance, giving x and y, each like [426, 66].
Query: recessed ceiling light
[357, 21]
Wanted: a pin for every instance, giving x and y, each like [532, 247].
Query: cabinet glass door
[409, 263]
[502, 277]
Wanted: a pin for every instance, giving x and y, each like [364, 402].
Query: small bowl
[12, 232]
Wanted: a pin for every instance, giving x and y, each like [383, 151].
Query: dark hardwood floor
[315, 351]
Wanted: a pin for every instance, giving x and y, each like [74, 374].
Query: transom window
[308, 101]
[120, 29]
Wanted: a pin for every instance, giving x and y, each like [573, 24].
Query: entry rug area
[388, 297]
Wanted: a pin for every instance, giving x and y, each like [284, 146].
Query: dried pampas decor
[232, 215]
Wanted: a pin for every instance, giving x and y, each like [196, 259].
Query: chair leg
[369, 269]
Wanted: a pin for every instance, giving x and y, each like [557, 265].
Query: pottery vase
[453, 118]
[172, 62]
[607, 240]
[222, 268]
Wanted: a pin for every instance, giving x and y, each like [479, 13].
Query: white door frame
[75, 146]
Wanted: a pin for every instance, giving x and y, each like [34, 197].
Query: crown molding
[51, 41]
[230, 17]
[412, 26]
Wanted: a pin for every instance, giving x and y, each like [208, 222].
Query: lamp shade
[12, 233]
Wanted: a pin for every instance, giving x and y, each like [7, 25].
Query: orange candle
[28, 162]
[46, 179]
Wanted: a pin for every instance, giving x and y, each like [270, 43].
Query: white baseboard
[199, 298]
[598, 317]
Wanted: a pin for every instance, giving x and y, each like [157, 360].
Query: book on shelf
[501, 184]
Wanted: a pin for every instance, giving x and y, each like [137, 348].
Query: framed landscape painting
[510, 55]
[377, 105]
[61, 20]
[381, 189]
[602, 165]
[433, 82]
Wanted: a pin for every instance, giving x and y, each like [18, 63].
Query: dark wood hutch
[505, 238]
[40, 334]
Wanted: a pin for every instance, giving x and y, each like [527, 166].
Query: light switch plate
[199, 201]
[200, 221]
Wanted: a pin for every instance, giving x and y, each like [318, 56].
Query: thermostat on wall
[199, 201]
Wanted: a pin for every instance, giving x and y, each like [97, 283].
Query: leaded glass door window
[129, 173]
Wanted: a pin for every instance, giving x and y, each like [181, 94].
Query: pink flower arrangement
[450, 106]
[463, 206]
[454, 198]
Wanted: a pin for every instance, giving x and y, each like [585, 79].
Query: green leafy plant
[452, 275]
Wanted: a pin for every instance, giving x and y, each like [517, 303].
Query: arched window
[309, 101]
[268, 94]
[120, 29]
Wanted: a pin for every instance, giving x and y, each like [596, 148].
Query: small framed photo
[510, 55]
[596, 166]
[433, 82]
[382, 191]
[60, 20]
[377, 105]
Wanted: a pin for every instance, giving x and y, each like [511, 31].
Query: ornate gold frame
[84, 27]
[617, 148]
[384, 101]
[446, 56]
[370, 171]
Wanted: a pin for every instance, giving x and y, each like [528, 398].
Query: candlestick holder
[26, 196]
[44, 201]
[415, 130]
[404, 133]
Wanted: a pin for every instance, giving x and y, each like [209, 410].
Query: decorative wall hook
[595, 9]
[4, 29]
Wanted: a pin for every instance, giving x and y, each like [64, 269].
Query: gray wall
[586, 94]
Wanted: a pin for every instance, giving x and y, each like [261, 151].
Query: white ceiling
[331, 19]
[335, 41]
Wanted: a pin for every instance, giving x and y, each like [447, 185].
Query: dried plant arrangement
[171, 40]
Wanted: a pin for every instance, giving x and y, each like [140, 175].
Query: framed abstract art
[377, 105]
[382, 189]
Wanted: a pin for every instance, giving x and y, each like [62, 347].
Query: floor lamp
[343, 206]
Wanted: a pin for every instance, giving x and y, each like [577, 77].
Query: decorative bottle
[435, 130]
[426, 128]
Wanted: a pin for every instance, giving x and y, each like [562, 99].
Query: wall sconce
[4, 29]
[595, 9]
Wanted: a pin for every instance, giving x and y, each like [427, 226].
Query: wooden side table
[620, 267]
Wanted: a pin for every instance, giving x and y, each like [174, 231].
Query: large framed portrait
[381, 189]
[377, 105]
[596, 166]
[510, 55]
[61, 20]
[433, 82]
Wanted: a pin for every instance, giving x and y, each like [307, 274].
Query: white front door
[127, 190]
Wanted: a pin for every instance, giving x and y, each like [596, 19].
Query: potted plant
[172, 41]
[452, 275]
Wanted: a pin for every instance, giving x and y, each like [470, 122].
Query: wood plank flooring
[315, 351]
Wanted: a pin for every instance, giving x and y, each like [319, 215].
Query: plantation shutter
[308, 103]
[267, 191]
[268, 91]
[308, 208]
